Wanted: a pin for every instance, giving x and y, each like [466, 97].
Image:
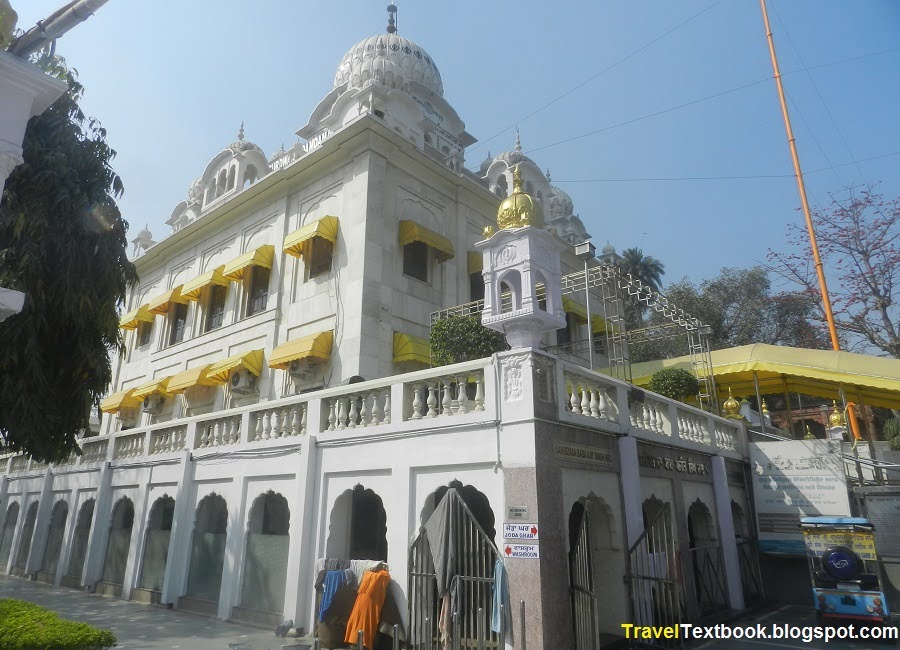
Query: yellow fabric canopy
[117, 401]
[160, 304]
[262, 256]
[190, 377]
[874, 381]
[220, 370]
[191, 290]
[598, 323]
[326, 228]
[411, 348]
[156, 386]
[315, 346]
[411, 232]
[475, 262]
[135, 317]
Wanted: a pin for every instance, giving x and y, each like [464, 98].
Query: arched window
[358, 526]
[80, 539]
[265, 562]
[208, 549]
[6, 535]
[156, 546]
[231, 174]
[55, 537]
[502, 188]
[27, 534]
[119, 542]
[220, 183]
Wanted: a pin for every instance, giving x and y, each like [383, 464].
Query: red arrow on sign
[533, 530]
[508, 550]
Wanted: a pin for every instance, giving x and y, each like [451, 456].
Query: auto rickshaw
[844, 569]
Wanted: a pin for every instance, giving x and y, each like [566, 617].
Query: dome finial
[518, 141]
[392, 19]
[241, 131]
[517, 180]
[548, 174]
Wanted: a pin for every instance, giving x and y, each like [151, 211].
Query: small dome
[393, 60]
[836, 419]
[243, 145]
[519, 209]
[486, 163]
[731, 407]
[609, 249]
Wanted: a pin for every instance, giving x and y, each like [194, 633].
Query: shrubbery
[674, 383]
[463, 338]
[891, 432]
[26, 626]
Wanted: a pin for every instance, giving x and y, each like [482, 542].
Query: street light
[586, 251]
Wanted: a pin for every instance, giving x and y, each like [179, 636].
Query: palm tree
[645, 268]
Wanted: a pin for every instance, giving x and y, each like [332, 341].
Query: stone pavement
[144, 627]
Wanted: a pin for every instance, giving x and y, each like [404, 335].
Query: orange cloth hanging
[367, 610]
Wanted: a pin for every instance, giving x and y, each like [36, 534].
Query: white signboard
[794, 479]
[520, 531]
[524, 551]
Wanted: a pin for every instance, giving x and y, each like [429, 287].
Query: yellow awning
[411, 348]
[475, 262]
[190, 377]
[135, 317]
[156, 386]
[191, 290]
[410, 231]
[262, 256]
[160, 304]
[874, 381]
[598, 323]
[315, 346]
[117, 401]
[220, 370]
[326, 228]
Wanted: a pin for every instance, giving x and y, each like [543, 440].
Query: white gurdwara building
[277, 408]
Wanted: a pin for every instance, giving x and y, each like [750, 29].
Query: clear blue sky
[172, 81]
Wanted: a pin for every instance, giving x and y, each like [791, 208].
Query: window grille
[415, 260]
[259, 290]
[215, 311]
[179, 321]
[321, 252]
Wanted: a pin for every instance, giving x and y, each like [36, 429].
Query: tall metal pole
[587, 304]
[798, 174]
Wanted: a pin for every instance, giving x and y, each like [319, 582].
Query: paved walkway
[144, 627]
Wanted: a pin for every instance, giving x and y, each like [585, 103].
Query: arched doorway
[656, 590]
[79, 544]
[208, 549]
[453, 560]
[116, 559]
[265, 560]
[596, 559]
[55, 534]
[751, 579]
[25, 539]
[9, 529]
[706, 555]
[358, 526]
[156, 545]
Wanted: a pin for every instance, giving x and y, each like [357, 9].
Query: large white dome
[393, 60]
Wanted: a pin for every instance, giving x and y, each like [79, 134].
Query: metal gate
[654, 574]
[751, 578]
[709, 579]
[581, 579]
[468, 624]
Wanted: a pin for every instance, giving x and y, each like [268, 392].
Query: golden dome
[731, 406]
[836, 419]
[519, 209]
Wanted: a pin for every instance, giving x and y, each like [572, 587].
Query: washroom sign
[521, 532]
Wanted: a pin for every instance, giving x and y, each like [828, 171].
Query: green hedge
[26, 626]
[674, 383]
[463, 338]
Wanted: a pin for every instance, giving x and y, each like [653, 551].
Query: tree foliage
[859, 241]
[740, 308]
[645, 268]
[63, 243]
[463, 338]
[674, 383]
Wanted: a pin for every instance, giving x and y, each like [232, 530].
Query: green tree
[62, 242]
[645, 268]
[463, 338]
[674, 383]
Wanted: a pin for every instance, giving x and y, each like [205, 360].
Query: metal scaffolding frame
[615, 287]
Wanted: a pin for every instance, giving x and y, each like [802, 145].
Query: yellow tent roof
[326, 228]
[315, 346]
[874, 381]
[135, 317]
[598, 323]
[191, 290]
[118, 401]
[475, 262]
[219, 371]
[410, 232]
[156, 386]
[262, 256]
[190, 377]
[411, 348]
[160, 304]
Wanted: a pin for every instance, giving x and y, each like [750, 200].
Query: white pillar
[301, 555]
[730, 556]
[41, 524]
[97, 538]
[180, 537]
[65, 553]
[138, 533]
[629, 475]
[230, 589]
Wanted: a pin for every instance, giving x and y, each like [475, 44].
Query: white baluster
[204, 435]
[574, 401]
[342, 413]
[595, 403]
[258, 429]
[332, 405]
[276, 424]
[365, 409]
[462, 395]
[353, 415]
[295, 420]
[585, 401]
[446, 402]
[432, 400]
[479, 393]
[305, 409]
[387, 407]
[267, 426]
[235, 430]
[417, 402]
[377, 413]
[601, 404]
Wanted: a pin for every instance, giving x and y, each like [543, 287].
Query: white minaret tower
[521, 272]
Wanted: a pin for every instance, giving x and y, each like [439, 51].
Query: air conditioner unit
[153, 404]
[243, 382]
[300, 370]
